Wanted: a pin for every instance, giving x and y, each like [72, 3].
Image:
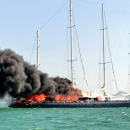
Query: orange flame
[61, 97]
[71, 85]
[76, 92]
[40, 97]
[17, 100]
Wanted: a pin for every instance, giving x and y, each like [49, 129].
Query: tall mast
[71, 34]
[103, 47]
[128, 68]
[38, 50]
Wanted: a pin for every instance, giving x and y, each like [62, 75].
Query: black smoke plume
[20, 79]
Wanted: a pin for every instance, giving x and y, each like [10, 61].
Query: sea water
[64, 118]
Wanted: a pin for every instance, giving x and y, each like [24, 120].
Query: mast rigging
[38, 50]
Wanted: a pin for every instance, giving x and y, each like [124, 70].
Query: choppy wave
[65, 119]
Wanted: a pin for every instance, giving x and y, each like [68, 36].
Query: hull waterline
[72, 105]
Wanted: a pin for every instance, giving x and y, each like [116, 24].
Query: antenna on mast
[38, 50]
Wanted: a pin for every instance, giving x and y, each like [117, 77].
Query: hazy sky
[19, 21]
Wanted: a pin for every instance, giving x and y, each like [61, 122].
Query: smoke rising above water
[20, 79]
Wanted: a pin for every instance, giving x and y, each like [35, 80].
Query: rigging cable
[111, 56]
[33, 48]
[80, 53]
[121, 41]
[54, 15]
[76, 57]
